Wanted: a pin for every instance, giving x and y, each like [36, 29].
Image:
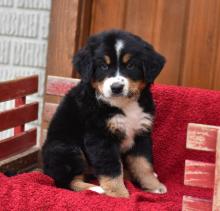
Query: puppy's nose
[117, 88]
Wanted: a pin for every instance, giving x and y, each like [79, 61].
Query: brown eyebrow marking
[107, 59]
[126, 57]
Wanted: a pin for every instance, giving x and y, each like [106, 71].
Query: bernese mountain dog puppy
[104, 123]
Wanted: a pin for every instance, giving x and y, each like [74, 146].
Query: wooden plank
[199, 174]
[107, 15]
[18, 116]
[49, 110]
[18, 88]
[216, 197]
[134, 21]
[84, 24]
[196, 204]
[22, 161]
[169, 37]
[216, 76]
[43, 136]
[216, 82]
[201, 137]
[201, 41]
[19, 102]
[18, 143]
[60, 85]
[62, 37]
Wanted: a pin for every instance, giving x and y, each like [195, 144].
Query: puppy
[104, 123]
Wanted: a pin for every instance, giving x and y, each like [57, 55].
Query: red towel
[176, 107]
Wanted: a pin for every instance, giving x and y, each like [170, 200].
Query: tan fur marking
[107, 59]
[114, 186]
[135, 87]
[98, 86]
[126, 57]
[77, 184]
[142, 171]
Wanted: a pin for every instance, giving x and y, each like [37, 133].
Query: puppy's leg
[78, 184]
[142, 171]
[139, 163]
[62, 162]
[114, 186]
[105, 158]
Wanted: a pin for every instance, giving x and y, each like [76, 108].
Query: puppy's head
[118, 63]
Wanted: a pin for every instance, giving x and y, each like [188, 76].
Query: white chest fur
[134, 121]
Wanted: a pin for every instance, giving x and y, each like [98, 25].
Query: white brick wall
[24, 26]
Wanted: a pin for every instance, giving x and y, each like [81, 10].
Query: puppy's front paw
[146, 122]
[160, 189]
[117, 124]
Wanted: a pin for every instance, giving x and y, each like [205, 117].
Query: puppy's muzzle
[117, 88]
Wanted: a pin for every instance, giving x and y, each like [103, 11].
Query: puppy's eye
[131, 66]
[103, 66]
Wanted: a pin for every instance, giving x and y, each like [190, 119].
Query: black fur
[79, 124]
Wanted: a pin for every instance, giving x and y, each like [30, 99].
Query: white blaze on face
[119, 45]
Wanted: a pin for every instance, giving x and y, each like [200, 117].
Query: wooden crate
[17, 117]
[201, 174]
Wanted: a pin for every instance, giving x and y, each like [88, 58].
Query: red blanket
[176, 107]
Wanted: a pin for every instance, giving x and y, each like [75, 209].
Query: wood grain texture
[216, 196]
[201, 137]
[107, 15]
[201, 42]
[18, 143]
[18, 116]
[199, 174]
[216, 81]
[83, 27]
[49, 110]
[60, 85]
[62, 37]
[140, 17]
[196, 204]
[18, 88]
[168, 37]
[84, 22]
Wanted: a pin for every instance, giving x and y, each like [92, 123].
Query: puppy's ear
[153, 63]
[84, 64]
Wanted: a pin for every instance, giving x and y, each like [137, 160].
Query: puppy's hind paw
[97, 189]
[160, 190]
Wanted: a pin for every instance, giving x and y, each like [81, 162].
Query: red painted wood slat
[216, 196]
[196, 204]
[19, 102]
[201, 137]
[18, 116]
[59, 86]
[18, 143]
[199, 174]
[49, 110]
[18, 88]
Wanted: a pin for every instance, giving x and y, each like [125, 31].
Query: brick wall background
[24, 28]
